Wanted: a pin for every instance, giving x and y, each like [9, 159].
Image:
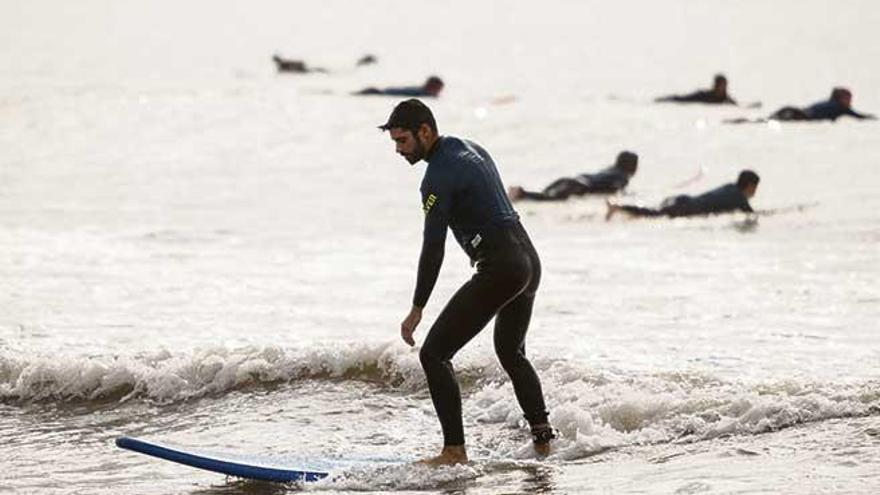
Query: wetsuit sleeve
[436, 203]
[853, 113]
[746, 207]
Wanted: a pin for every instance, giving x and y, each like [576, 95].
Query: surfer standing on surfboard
[462, 190]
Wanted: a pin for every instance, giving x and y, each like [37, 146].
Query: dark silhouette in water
[717, 95]
[431, 88]
[607, 181]
[368, 59]
[294, 66]
[727, 198]
[836, 106]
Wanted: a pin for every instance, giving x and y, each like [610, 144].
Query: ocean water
[196, 250]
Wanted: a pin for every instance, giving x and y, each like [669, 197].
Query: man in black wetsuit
[431, 88]
[838, 105]
[607, 181]
[727, 198]
[462, 191]
[716, 95]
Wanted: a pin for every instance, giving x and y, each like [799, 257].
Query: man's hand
[409, 324]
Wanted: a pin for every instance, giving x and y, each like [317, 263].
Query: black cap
[410, 114]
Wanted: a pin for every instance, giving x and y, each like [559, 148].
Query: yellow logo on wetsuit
[429, 203]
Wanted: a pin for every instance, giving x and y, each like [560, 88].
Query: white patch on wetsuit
[476, 240]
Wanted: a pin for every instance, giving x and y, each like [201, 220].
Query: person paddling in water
[430, 89]
[462, 191]
[837, 105]
[724, 199]
[607, 181]
[716, 95]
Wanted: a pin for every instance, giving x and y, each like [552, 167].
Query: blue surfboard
[229, 464]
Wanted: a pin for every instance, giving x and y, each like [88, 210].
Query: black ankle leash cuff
[543, 435]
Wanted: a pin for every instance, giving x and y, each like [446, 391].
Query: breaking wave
[594, 409]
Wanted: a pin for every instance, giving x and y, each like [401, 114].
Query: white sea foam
[593, 410]
[164, 377]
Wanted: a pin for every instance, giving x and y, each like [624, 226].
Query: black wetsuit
[607, 181]
[724, 199]
[823, 110]
[408, 91]
[463, 191]
[703, 96]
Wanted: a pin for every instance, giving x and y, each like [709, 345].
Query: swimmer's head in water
[628, 162]
[842, 96]
[434, 85]
[719, 84]
[747, 182]
[412, 128]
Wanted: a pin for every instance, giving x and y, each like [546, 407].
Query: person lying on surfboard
[724, 199]
[717, 95]
[836, 106]
[607, 181]
[431, 88]
[462, 191]
[295, 66]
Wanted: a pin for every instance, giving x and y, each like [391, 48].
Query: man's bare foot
[612, 209]
[542, 434]
[542, 449]
[451, 454]
[515, 193]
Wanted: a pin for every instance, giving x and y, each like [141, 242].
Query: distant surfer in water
[462, 191]
[727, 198]
[607, 181]
[836, 106]
[717, 95]
[431, 88]
[294, 66]
[297, 66]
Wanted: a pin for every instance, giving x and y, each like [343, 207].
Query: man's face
[750, 190]
[407, 144]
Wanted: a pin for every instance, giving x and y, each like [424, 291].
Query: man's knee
[430, 357]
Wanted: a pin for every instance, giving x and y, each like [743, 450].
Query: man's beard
[417, 154]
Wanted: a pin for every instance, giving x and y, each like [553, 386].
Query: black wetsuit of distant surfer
[836, 106]
[724, 199]
[462, 190]
[702, 96]
[295, 66]
[405, 91]
[607, 181]
[431, 88]
[717, 95]
[823, 110]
